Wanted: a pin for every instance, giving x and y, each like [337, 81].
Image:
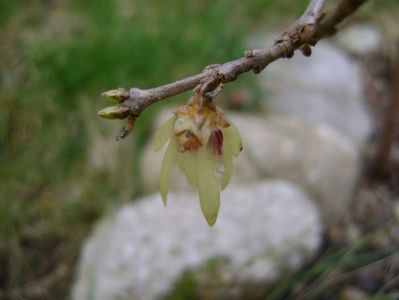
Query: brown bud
[289, 54]
[306, 50]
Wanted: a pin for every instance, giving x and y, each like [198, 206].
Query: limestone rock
[318, 158]
[139, 252]
[361, 39]
[325, 88]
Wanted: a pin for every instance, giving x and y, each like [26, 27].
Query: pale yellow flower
[202, 143]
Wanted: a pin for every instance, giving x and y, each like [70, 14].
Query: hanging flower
[202, 142]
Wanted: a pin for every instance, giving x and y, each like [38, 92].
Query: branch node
[136, 93]
[296, 41]
[210, 84]
[211, 67]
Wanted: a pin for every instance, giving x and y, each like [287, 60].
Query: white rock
[263, 231]
[361, 39]
[318, 158]
[325, 88]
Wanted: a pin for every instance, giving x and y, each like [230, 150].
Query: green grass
[333, 268]
[185, 288]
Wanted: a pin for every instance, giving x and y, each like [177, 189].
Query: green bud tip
[114, 112]
[117, 95]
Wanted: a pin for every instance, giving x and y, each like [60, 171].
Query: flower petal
[232, 139]
[208, 187]
[168, 163]
[164, 133]
[228, 167]
[188, 165]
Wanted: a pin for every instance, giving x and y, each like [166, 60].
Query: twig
[307, 30]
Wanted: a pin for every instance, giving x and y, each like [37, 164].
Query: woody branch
[312, 26]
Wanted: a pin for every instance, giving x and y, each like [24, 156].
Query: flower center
[188, 141]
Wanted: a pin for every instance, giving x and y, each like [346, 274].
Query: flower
[202, 142]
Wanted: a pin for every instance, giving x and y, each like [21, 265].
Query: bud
[114, 112]
[289, 54]
[306, 50]
[117, 95]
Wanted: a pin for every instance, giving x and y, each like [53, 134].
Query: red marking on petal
[218, 141]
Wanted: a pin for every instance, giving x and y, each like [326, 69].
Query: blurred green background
[60, 167]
